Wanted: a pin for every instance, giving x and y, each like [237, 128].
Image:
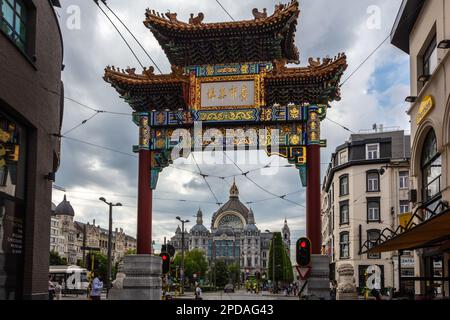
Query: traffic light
[303, 252]
[165, 262]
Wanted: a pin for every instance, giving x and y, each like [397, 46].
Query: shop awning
[432, 231]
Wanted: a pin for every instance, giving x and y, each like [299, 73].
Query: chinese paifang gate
[230, 75]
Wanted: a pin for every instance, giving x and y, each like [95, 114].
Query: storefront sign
[404, 218]
[426, 106]
[407, 262]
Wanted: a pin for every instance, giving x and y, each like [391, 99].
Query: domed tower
[286, 232]
[252, 245]
[199, 234]
[65, 213]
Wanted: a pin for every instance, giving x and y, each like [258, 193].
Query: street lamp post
[109, 266]
[182, 252]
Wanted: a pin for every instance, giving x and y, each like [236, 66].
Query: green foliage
[234, 271]
[101, 265]
[221, 273]
[283, 265]
[131, 252]
[194, 263]
[57, 260]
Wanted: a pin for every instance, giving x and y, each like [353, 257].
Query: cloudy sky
[375, 94]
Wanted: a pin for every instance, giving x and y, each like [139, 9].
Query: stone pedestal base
[347, 296]
[319, 279]
[142, 279]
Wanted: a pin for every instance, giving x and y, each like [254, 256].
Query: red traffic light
[164, 257]
[303, 244]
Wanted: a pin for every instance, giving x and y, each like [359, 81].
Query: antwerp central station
[233, 238]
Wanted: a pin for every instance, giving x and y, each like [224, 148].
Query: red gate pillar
[144, 219]
[313, 191]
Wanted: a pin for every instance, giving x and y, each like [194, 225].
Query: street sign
[303, 272]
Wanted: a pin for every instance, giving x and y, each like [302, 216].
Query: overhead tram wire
[120, 33]
[231, 17]
[378, 47]
[132, 34]
[206, 181]
[81, 124]
[245, 174]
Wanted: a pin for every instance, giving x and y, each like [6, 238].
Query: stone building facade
[365, 190]
[31, 113]
[68, 237]
[233, 237]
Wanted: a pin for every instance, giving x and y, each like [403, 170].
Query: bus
[74, 279]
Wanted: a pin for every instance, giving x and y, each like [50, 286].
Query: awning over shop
[432, 231]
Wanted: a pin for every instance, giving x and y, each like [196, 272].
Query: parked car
[229, 288]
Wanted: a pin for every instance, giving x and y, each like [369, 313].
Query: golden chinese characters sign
[228, 92]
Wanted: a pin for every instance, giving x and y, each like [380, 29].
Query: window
[343, 186]
[373, 151]
[345, 245]
[13, 21]
[373, 182]
[404, 179]
[404, 206]
[431, 168]
[372, 237]
[430, 59]
[343, 158]
[344, 213]
[249, 262]
[373, 210]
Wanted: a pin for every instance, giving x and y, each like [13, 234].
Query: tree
[56, 259]
[283, 265]
[130, 252]
[221, 273]
[101, 266]
[194, 263]
[234, 271]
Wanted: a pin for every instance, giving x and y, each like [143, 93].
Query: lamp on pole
[109, 276]
[273, 261]
[182, 252]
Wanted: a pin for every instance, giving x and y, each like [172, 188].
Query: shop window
[431, 168]
[12, 207]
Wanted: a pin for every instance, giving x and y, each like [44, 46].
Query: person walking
[97, 287]
[51, 288]
[198, 293]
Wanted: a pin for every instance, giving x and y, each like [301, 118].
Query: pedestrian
[97, 287]
[198, 293]
[376, 291]
[333, 290]
[58, 290]
[51, 288]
